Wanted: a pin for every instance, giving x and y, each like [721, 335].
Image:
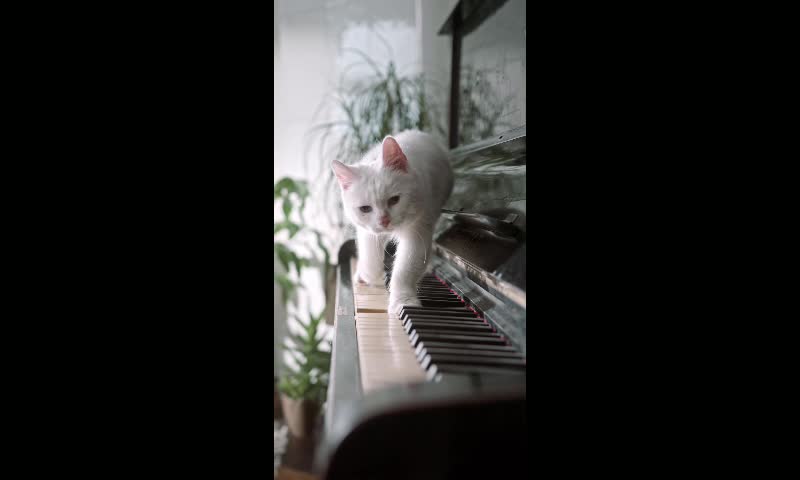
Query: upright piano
[439, 391]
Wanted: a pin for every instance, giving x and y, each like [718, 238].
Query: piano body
[439, 391]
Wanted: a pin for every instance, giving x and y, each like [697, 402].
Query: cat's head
[379, 196]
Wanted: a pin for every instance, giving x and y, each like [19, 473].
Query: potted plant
[297, 237]
[298, 247]
[303, 387]
[368, 108]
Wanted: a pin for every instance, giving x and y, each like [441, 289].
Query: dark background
[150, 254]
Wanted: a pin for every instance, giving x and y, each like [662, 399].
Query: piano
[439, 391]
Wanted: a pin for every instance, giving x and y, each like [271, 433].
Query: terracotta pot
[300, 415]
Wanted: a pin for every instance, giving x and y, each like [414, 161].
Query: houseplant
[368, 108]
[298, 247]
[303, 387]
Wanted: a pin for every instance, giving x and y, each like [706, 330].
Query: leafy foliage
[292, 195]
[310, 378]
[384, 103]
[481, 108]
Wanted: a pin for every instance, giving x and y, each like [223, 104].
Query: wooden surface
[297, 460]
[285, 473]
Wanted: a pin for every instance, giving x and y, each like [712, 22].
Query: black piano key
[449, 319]
[450, 312]
[439, 331]
[425, 361]
[457, 312]
[461, 311]
[439, 310]
[446, 320]
[451, 298]
[442, 360]
[461, 327]
[449, 316]
[462, 316]
[464, 346]
[417, 337]
[441, 303]
[459, 308]
[462, 369]
[456, 320]
[435, 351]
[449, 325]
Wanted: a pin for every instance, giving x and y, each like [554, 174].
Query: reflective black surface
[489, 54]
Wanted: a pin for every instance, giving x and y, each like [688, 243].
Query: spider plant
[481, 108]
[386, 102]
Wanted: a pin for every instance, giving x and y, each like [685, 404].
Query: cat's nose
[385, 221]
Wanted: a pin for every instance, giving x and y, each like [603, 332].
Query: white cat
[396, 193]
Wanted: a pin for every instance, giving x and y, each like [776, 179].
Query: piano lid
[483, 228]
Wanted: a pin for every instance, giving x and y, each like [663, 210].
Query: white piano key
[385, 354]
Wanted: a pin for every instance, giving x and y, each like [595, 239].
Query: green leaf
[284, 186]
[284, 255]
[286, 285]
[287, 208]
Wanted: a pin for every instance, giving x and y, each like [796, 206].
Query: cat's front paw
[396, 302]
[374, 279]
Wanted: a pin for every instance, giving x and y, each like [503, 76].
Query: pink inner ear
[393, 156]
[344, 174]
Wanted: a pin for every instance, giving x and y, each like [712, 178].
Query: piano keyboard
[385, 356]
[444, 336]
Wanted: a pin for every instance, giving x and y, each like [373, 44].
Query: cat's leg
[370, 258]
[410, 263]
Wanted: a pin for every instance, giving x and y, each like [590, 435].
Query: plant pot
[300, 414]
[276, 402]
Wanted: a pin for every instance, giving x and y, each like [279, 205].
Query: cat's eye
[365, 208]
[394, 200]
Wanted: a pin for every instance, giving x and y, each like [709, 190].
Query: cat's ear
[346, 175]
[393, 156]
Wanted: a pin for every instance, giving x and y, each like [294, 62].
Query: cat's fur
[414, 167]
